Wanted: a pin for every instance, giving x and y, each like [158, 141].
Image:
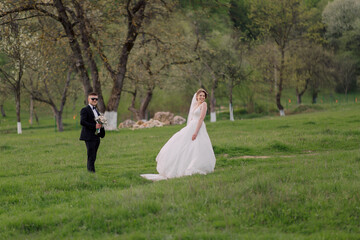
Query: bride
[188, 151]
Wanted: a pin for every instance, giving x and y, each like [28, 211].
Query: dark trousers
[92, 147]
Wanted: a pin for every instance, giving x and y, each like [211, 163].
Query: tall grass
[304, 186]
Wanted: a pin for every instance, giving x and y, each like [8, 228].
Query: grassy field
[296, 177]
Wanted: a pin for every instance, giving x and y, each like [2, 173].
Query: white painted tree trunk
[282, 113]
[19, 129]
[231, 110]
[213, 117]
[111, 120]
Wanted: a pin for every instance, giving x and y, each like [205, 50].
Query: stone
[154, 123]
[178, 120]
[148, 124]
[164, 117]
[127, 124]
[140, 122]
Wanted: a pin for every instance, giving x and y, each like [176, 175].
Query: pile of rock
[147, 124]
[160, 119]
[127, 124]
[164, 117]
[178, 120]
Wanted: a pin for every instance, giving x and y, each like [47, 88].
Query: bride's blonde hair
[201, 90]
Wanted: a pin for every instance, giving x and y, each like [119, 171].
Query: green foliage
[240, 16]
[275, 178]
[342, 19]
[3, 59]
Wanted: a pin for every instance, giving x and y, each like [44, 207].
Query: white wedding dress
[181, 156]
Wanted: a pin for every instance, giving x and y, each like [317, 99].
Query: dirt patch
[264, 157]
[244, 157]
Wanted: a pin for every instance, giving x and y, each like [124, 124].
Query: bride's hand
[194, 136]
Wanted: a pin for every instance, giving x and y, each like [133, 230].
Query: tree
[300, 67]
[265, 58]
[160, 48]
[212, 36]
[310, 67]
[14, 45]
[3, 88]
[341, 16]
[239, 12]
[3, 96]
[234, 67]
[82, 25]
[342, 19]
[278, 19]
[47, 82]
[346, 66]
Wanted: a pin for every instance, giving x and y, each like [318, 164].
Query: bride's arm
[201, 120]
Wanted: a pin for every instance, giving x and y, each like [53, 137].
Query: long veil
[158, 177]
[192, 105]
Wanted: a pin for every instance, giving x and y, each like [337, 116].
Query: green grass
[306, 186]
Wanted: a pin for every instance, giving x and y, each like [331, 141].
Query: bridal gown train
[181, 156]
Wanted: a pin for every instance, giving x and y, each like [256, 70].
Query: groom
[89, 126]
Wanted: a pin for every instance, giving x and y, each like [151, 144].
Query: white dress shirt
[94, 111]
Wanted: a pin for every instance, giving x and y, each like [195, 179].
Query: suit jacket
[88, 123]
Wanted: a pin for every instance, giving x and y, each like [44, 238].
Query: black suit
[92, 141]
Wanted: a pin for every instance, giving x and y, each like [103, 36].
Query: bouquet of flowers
[101, 120]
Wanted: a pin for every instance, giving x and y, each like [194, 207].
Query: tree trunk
[212, 94]
[145, 103]
[31, 110]
[141, 114]
[281, 79]
[17, 101]
[299, 94]
[89, 56]
[2, 110]
[275, 65]
[278, 103]
[132, 107]
[74, 45]
[275, 79]
[314, 98]
[212, 105]
[231, 110]
[58, 118]
[58, 114]
[135, 19]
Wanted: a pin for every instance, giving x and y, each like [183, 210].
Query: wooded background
[244, 53]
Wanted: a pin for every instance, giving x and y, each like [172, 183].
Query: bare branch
[34, 7]
[166, 5]
[66, 87]
[8, 77]
[102, 55]
[25, 18]
[152, 35]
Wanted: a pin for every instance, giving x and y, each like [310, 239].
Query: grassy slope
[307, 188]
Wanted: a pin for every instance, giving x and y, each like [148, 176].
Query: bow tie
[94, 107]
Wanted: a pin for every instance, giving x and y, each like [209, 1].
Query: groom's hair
[92, 94]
